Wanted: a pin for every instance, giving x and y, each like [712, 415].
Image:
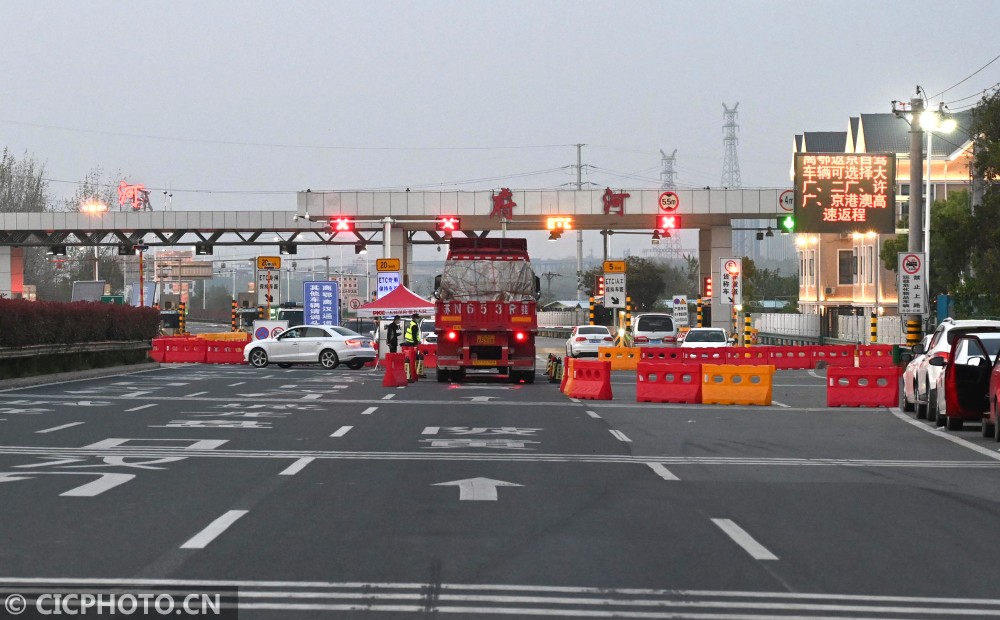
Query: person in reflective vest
[412, 336]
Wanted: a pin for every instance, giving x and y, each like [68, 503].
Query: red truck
[486, 309]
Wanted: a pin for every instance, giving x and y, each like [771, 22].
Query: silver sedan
[326, 345]
[585, 339]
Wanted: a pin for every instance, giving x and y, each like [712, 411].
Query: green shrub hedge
[25, 323]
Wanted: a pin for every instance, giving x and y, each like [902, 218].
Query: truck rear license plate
[486, 339]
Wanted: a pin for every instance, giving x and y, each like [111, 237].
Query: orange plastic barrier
[591, 380]
[875, 356]
[395, 371]
[835, 356]
[567, 374]
[223, 352]
[662, 354]
[621, 358]
[659, 382]
[748, 356]
[789, 358]
[706, 355]
[430, 354]
[862, 387]
[158, 351]
[185, 350]
[727, 384]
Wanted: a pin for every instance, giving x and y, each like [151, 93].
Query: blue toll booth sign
[321, 303]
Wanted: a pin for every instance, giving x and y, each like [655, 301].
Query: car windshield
[655, 324]
[427, 327]
[603, 331]
[705, 336]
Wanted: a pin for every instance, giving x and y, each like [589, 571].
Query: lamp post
[94, 208]
[932, 121]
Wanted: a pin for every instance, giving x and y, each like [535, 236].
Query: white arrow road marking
[477, 489]
[756, 550]
[90, 489]
[210, 533]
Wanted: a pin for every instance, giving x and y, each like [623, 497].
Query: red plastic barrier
[705, 355]
[748, 356]
[430, 354]
[158, 351]
[395, 373]
[661, 354]
[835, 356]
[224, 351]
[862, 387]
[591, 380]
[875, 356]
[790, 358]
[185, 350]
[659, 382]
[567, 364]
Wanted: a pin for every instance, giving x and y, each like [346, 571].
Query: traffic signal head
[786, 224]
[342, 224]
[599, 288]
[448, 225]
[708, 286]
[666, 224]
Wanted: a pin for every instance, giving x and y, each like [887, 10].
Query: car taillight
[520, 336]
[353, 343]
[580, 339]
[641, 339]
[452, 335]
[608, 339]
[945, 355]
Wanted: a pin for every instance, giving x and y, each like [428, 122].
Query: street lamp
[932, 121]
[96, 208]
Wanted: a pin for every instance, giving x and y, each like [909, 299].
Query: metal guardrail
[78, 347]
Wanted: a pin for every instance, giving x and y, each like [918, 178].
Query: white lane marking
[311, 396]
[267, 377]
[59, 428]
[934, 431]
[388, 397]
[774, 402]
[297, 466]
[343, 430]
[756, 550]
[575, 400]
[210, 533]
[237, 383]
[593, 414]
[812, 373]
[195, 394]
[662, 471]
[431, 430]
[369, 411]
[141, 407]
[620, 436]
[131, 395]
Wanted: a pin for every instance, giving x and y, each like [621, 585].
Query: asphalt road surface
[322, 494]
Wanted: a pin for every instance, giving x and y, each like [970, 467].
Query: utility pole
[579, 232]
[915, 238]
[548, 275]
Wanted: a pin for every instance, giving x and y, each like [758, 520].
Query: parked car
[963, 384]
[653, 329]
[427, 333]
[701, 337]
[991, 421]
[326, 345]
[910, 376]
[940, 346]
[585, 340]
[294, 316]
[365, 327]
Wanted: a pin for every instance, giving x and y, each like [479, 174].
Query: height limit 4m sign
[912, 283]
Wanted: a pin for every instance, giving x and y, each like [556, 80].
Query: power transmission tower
[668, 173]
[731, 164]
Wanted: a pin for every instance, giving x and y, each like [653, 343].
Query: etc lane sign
[912, 278]
[614, 290]
[388, 281]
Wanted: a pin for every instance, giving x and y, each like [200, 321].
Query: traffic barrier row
[621, 358]
[862, 387]
[587, 379]
[198, 349]
[781, 357]
[710, 384]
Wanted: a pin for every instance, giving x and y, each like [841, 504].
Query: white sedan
[700, 337]
[585, 339]
[311, 344]
[910, 375]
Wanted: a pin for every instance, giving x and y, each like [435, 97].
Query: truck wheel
[458, 375]
[953, 423]
[528, 376]
[442, 375]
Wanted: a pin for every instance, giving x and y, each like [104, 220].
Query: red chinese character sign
[845, 192]
[614, 203]
[136, 196]
[503, 205]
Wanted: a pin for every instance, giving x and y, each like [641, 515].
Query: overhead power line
[967, 77]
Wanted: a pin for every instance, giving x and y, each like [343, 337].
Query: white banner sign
[912, 279]
[614, 290]
[731, 291]
[680, 311]
[348, 286]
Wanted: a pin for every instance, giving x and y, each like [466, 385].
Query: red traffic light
[342, 224]
[600, 286]
[448, 224]
[668, 222]
[708, 286]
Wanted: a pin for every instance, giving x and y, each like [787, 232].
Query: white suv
[654, 329]
[925, 391]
